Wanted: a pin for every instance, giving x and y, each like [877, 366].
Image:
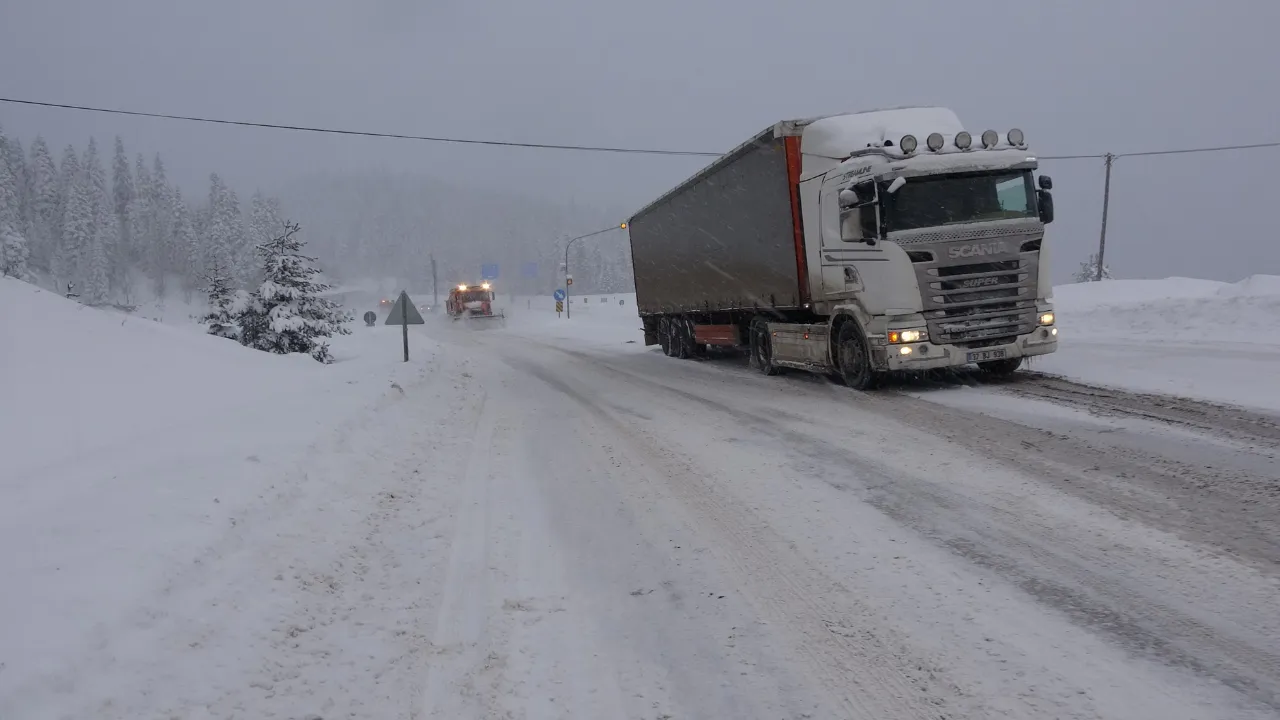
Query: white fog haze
[639, 360]
[1082, 78]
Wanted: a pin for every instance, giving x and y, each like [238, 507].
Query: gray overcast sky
[1078, 77]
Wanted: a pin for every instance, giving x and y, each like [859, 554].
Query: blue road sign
[559, 295]
[489, 271]
[530, 270]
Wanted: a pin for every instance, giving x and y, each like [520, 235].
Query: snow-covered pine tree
[286, 313]
[44, 204]
[13, 242]
[122, 192]
[1088, 271]
[226, 304]
[17, 161]
[122, 188]
[103, 230]
[74, 220]
[186, 245]
[163, 255]
[217, 235]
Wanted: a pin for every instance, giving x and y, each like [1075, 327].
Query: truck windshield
[964, 198]
[473, 296]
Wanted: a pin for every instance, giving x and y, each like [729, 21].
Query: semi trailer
[856, 244]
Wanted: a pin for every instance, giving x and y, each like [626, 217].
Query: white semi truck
[857, 244]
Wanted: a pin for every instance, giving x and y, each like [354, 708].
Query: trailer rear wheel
[682, 338]
[853, 360]
[664, 335]
[762, 346]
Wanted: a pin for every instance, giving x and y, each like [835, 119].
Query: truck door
[842, 252]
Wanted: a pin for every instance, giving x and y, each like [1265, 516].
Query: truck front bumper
[928, 356]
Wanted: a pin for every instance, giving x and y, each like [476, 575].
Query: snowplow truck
[856, 244]
[473, 304]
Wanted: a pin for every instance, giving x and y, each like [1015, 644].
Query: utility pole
[568, 279]
[435, 292]
[1106, 201]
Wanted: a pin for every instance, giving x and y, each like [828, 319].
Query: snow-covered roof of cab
[836, 136]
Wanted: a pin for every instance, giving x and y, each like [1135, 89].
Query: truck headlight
[1046, 318]
[907, 336]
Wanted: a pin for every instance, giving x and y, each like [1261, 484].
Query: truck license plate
[985, 355]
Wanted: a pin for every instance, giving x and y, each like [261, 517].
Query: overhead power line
[362, 133]
[554, 146]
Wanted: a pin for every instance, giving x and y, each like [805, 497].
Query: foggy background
[1089, 76]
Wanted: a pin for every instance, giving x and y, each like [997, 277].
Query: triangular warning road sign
[403, 305]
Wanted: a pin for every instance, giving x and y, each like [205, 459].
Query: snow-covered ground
[552, 521]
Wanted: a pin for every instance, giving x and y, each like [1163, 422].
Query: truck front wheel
[762, 346]
[853, 359]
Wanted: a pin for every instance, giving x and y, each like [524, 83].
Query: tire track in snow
[870, 672]
[459, 644]
[1095, 589]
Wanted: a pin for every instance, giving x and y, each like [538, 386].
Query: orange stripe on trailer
[794, 164]
[724, 335]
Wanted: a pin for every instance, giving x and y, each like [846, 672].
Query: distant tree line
[72, 221]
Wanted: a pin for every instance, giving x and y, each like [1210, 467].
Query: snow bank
[1196, 338]
[1173, 310]
[129, 445]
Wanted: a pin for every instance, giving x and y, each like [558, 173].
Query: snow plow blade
[485, 321]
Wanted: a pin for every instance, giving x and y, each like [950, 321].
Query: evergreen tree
[44, 204]
[226, 304]
[13, 242]
[122, 189]
[162, 258]
[103, 229]
[286, 314]
[72, 224]
[122, 192]
[186, 245]
[1088, 271]
[17, 161]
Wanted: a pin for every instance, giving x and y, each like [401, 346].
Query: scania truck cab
[931, 241]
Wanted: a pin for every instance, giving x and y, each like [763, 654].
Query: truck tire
[1001, 368]
[664, 335]
[853, 358]
[682, 338]
[762, 346]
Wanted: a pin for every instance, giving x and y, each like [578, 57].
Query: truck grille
[980, 304]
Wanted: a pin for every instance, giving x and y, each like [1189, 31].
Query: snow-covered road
[523, 525]
[644, 537]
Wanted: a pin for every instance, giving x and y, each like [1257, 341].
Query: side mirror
[1046, 182]
[859, 195]
[896, 185]
[1046, 205]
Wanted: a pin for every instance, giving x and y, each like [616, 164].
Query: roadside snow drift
[1195, 338]
[128, 447]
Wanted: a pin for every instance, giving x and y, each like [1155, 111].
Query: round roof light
[1016, 137]
[990, 138]
[935, 141]
[907, 143]
[964, 140]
